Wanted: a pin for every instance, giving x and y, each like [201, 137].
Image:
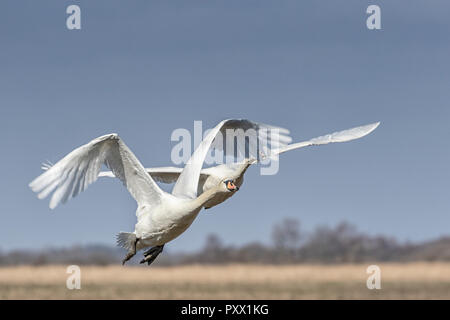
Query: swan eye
[231, 186]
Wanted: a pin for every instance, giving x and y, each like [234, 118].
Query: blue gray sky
[145, 68]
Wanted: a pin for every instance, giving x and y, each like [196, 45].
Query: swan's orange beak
[231, 186]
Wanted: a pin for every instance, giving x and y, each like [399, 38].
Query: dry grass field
[398, 281]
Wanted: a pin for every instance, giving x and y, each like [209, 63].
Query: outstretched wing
[258, 133]
[76, 171]
[159, 174]
[340, 136]
[162, 174]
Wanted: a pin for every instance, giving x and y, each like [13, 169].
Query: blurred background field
[419, 280]
[327, 263]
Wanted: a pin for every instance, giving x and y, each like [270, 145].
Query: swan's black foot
[128, 257]
[151, 254]
[130, 253]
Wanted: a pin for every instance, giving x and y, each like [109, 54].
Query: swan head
[230, 186]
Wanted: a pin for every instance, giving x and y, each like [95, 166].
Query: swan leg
[151, 254]
[130, 253]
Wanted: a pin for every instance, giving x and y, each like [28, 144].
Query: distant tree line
[340, 244]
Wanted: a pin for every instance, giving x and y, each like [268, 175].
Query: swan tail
[126, 240]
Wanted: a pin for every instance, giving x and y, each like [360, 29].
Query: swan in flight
[234, 172]
[161, 216]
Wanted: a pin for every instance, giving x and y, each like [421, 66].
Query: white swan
[211, 177]
[161, 216]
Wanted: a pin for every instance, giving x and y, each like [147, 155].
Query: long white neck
[198, 202]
